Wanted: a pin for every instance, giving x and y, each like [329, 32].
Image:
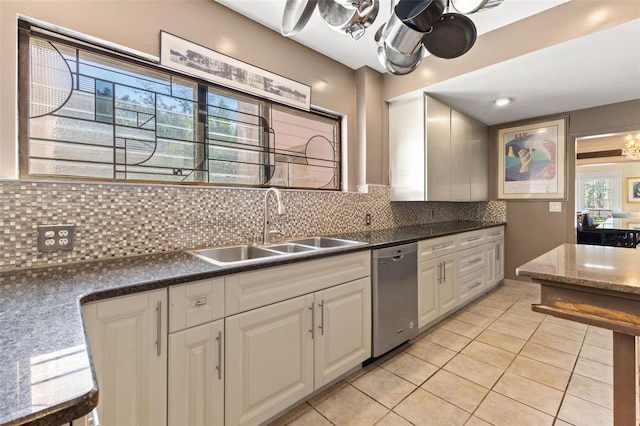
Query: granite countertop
[45, 369]
[606, 268]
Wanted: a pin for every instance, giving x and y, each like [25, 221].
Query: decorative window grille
[92, 114]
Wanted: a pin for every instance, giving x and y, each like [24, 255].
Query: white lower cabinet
[278, 354]
[495, 263]
[343, 336]
[196, 375]
[127, 339]
[436, 288]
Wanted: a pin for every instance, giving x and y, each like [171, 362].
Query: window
[99, 115]
[599, 193]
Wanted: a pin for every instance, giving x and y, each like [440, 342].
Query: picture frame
[633, 190]
[532, 160]
[191, 58]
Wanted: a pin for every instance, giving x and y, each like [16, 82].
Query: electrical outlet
[367, 219]
[55, 237]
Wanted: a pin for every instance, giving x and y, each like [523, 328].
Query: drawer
[436, 247]
[471, 285]
[472, 239]
[471, 260]
[250, 290]
[195, 303]
[494, 234]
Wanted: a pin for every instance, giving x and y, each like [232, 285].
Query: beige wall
[531, 228]
[202, 21]
[372, 156]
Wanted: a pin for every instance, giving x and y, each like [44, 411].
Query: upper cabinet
[436, 153]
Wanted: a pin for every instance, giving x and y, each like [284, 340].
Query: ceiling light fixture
[502, 101]
[632, 147]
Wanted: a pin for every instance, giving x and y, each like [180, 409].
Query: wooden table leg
[624, 379]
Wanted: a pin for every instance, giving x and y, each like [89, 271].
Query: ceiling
[597, 69]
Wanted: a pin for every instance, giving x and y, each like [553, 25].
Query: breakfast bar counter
[599, 286]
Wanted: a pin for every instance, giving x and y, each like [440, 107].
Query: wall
[532, 229]
[123, 220]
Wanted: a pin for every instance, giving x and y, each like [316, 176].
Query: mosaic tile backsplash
[123, 220]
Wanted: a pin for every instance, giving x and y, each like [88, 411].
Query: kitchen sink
[324, 242]
[291, 248]
[245, 253]
[234, 254]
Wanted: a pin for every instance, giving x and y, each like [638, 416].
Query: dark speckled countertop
[45, 369]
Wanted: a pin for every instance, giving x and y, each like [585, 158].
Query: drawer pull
[495, 234]
[476, 284]
[444, 246]
[474, 239]
[475, 260]
[313, 314]
[159, 328]
[200, 302]
[219, 366]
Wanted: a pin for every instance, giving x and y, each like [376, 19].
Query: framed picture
[532, 161]
[191, 58]
[633, 190]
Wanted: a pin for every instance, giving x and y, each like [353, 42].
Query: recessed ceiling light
[502, 101]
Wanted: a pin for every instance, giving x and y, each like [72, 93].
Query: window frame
[615, 175]
[27, 29]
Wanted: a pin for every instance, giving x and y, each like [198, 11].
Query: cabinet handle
[474, 239]
[476, 284]
[439, 247]
[475, 261]
[321, 326]
[312, 330]
[200, 302]
[159, 328]
[495, 234]
[219, 366]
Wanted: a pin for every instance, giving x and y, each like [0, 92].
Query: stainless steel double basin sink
[246, 254]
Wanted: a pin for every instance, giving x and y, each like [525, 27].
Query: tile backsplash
[114, 220]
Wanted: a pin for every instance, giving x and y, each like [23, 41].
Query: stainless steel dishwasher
[395, 296]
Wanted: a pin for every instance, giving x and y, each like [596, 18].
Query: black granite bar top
[46, 377]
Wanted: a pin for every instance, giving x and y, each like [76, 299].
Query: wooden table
[598, 286]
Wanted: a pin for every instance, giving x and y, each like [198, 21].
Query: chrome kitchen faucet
[266, 239]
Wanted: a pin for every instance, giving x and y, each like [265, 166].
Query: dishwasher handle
[394, 253]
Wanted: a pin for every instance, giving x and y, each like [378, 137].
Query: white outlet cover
[555, 206]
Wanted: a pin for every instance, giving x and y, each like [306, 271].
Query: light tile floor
[495, 362]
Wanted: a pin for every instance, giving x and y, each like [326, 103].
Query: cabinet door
[407, 150]
[343, 329]
[479, 149]
[269, 360]
[438, 141]
[498, 274]
[460, 157]
[429, 277]
[196, 376]
[490, 271]
[129, 350]
[448, 289]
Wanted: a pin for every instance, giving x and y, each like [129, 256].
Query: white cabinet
[196, 375]
[196, 353]
[127, 339]
[343, 334]
[269, 354]
[495, 262]
[436, 153]
[436, 278]
[280, 353]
